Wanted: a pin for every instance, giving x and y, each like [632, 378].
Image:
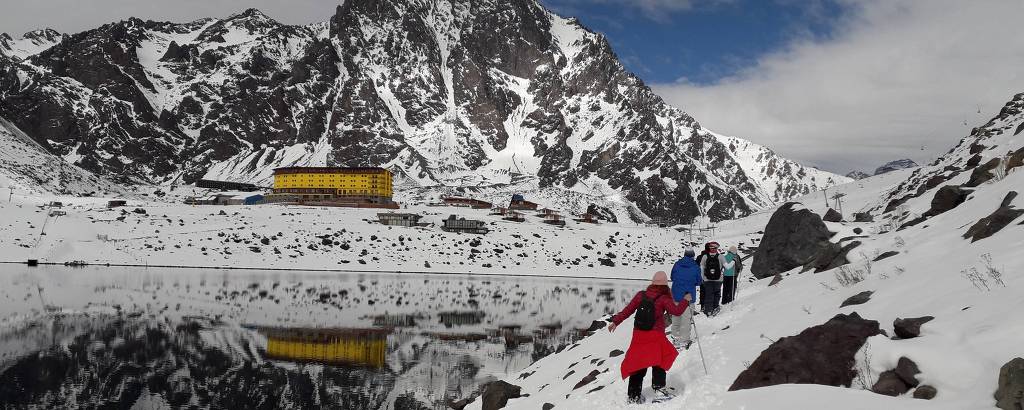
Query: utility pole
[11, 196]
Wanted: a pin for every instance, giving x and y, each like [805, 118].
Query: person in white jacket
[712, 271]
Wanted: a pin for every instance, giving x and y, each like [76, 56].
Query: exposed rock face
[989, 225]
[907, 370]
[439, 91]
[863, 217]
[858, 299]
[832, 216]
[794, 237]
[910, 328]
[1010, 393]
[947, 198]
[497, 394]
[890, 384]
[823, 354]
[857, 175]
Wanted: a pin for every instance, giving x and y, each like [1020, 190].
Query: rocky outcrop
[895, 166]
[1010, 392]
[990, 225]
[794, 237]
[925, 392]
[910, 328]
[899, 380]
[497, 394]
[858, 299]
[823, 354]
[832, 216]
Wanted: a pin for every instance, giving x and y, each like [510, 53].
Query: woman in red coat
[650, 348]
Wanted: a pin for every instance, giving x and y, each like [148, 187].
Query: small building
[514, 216]
[465, 202]
[519, 203]
[554, 219]
[399, 219]
[116, 203]
[547, 211]
[55, 204]
[226, 185]
[456, 224]
[246, 199]
[588, 218]
[499, 211]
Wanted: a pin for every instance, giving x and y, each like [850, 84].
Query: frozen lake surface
[172, 338]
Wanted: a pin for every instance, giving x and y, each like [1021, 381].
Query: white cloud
[896, 76]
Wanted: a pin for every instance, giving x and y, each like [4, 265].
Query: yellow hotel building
[327, 183]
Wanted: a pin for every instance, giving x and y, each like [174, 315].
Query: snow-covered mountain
[896, 165]
[31, 43]
[452, 93]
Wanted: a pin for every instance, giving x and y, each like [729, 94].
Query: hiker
[685, 279]
[731, 275]
[707, 248]
[649, 347]
[712, 267]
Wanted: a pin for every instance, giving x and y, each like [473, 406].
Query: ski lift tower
[838, 198]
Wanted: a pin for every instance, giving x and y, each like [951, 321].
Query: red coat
[649, 348]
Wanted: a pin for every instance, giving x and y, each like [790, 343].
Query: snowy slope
[30, 44]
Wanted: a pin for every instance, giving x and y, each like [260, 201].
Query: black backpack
[645, 317]
[712, 267]
[739, 264]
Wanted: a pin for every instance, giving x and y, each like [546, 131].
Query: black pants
[636, 381]
[712, 297]
[728, 290]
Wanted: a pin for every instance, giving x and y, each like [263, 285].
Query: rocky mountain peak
[896, 165]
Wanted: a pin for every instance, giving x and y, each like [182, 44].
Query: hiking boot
[662, 394]
[635, 400]
[687, 344]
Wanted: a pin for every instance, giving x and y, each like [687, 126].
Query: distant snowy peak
[444, 92]
[31, 43]
[895, 166]
[857, 175]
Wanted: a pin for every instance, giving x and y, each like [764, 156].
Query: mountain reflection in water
[197, 341]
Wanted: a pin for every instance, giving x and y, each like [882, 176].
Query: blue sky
[700, 41]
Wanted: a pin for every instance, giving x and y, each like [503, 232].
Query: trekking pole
[699, 349]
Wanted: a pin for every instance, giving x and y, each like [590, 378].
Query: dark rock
[983, 173]
[497, 394]
[547, 406]
[910, 328]
[832, 216]
[597, 325]
[823, 354]
[990, 225]
[858, 231]
[858, 299]
[863, 217]
[615, 353]
[793, 238]
[947, 198]
[1010, 392]
[907, 370]
[925, 392]
[589, 378]
[833, 256]
[890, 384]
[775, 279]
[460, 404]
[885, 255]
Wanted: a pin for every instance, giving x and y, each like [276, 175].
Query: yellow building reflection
[365, 347]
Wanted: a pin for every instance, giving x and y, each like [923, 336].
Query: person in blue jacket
[685, 279]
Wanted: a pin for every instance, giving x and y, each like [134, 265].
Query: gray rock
[1010, 393]
[910, 327]
[925, 392]
[863, 217]
[775, 279]
[793, 238]
[990, 225]
[589, 378]
[858, 299]
[547, 406]
[887, 254]
[497, 394]
[907, 370]
[890, 384]
[832, 216]
[823, 354]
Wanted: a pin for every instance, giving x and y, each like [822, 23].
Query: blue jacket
[685, 278]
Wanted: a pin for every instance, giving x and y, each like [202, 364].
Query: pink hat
[660, 278]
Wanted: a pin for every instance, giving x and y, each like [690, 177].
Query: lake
[154, 338]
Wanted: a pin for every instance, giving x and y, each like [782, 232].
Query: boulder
[794, 237]
[990, 225]
[858, 299]
[615, 353]
[890, 384]
[1010, 393]
[589, 378]
[886, 254]
[775, 279]
[947, 198]
[983, 173]
[497, 394]
[547, 406]
[597, 325]
[863, 217]
[833, 256]
[925, 392]
[907, 370]
[823, 354]
[910, 328]
[832, 216]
